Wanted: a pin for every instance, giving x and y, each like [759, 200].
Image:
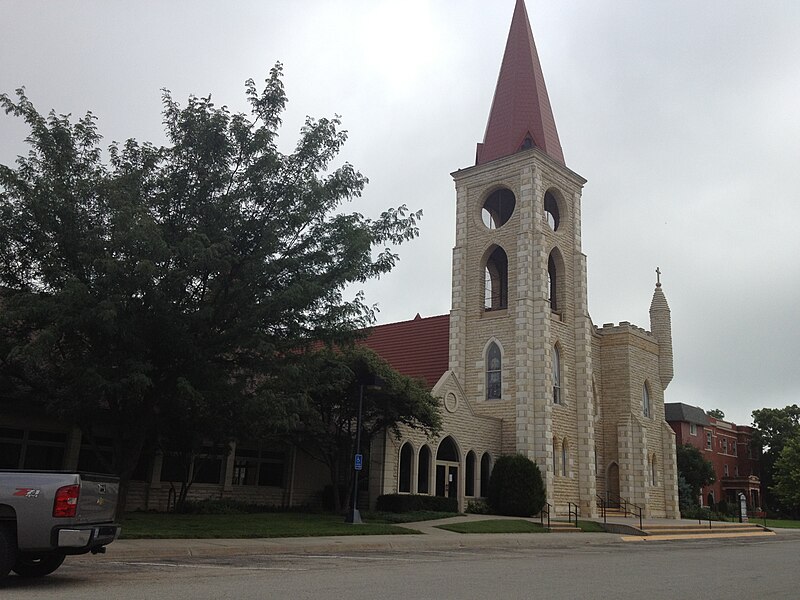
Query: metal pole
[355, 517]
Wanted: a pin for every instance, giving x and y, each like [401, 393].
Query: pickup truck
[46, 515]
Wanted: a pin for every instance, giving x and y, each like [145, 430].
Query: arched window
[447, 450]
[556, 376]
[555, 281]
[653, 470]
[564, 457]
[555, 456]
[486, 472]
[496, 280]
[424, 470]
[498, 208]
[645, 400]
[406, 458]
[551, 214]
[469, 475]
[494, 372]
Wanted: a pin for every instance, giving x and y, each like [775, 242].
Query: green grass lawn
[141, 525]
[778, 523]
[590, 527]
[495, 526]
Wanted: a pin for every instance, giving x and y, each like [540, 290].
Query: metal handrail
[573, 509]
[545, 511]
[602, 507]
[628, 508]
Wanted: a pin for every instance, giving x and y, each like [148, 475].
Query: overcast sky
[682, 115]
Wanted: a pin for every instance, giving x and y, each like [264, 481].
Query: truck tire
[38, 564]
[8, 550]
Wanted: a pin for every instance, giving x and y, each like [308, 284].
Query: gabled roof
[677, 411]
[417, 348]
[520, 116]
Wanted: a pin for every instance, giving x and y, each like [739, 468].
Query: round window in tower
[498, 208]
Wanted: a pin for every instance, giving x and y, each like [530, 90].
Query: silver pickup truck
[46, 515]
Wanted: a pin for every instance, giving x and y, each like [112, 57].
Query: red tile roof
[521, 107]
[416, 348]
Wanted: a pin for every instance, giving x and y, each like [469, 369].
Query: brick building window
[692, 429]
[709, 443]
[725, 445]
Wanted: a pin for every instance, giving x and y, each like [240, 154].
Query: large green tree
[695, 470]
[179, 276]
[775, 428]
[335, 381]
[786, 475]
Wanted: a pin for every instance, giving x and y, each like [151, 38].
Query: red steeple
[521, 116]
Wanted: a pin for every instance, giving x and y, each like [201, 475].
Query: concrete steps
[718, 530]
[563, 527]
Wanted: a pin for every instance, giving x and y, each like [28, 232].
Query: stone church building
[518, 362]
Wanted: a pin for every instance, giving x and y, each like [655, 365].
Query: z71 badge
[27, 492]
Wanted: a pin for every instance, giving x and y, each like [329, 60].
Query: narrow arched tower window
[556, 376]
[552, 283]
[496, 280]
[494, 372]
[645, 400]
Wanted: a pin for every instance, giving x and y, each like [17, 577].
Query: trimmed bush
[516, 488]
[400, 503]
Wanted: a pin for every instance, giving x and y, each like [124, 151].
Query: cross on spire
[658, 277]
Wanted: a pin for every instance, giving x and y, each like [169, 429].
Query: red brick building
[726, 445]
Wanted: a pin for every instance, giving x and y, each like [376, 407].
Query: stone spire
[661, 328]
[520, 116]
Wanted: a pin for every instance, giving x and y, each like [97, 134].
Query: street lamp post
[373, 382]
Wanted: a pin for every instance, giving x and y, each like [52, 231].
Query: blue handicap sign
[359, 461]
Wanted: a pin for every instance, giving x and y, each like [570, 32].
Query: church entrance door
[447, 480]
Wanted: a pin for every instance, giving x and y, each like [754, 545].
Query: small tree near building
[516, 487]
[695, 470]
[787, 476]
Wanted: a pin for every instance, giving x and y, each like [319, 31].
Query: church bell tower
[520, 333]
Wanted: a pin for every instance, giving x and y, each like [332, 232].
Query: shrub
[478, 507]
[516, 487]
[400, 503]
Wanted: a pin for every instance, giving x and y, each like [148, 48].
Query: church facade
[527, 371]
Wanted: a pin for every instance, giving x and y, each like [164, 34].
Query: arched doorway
[447, 462]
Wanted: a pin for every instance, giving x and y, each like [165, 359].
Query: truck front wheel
[8, 550]
[37, 564]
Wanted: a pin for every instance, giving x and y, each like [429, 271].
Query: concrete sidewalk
[430, 539]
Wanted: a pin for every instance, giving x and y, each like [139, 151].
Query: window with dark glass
[494, 366]
[551, 213]
[406, 458]
[486, 472]
[424, 470]
[498, 208]
[496, 280]
[645, 400]
[258, 466]
[556, 376]
[469, 484]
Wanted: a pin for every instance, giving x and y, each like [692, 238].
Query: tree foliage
[787, 475]
[175, 280]
[516, 487]
[695, 470]
[716, 413]
[327, 416]
[774, 428]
